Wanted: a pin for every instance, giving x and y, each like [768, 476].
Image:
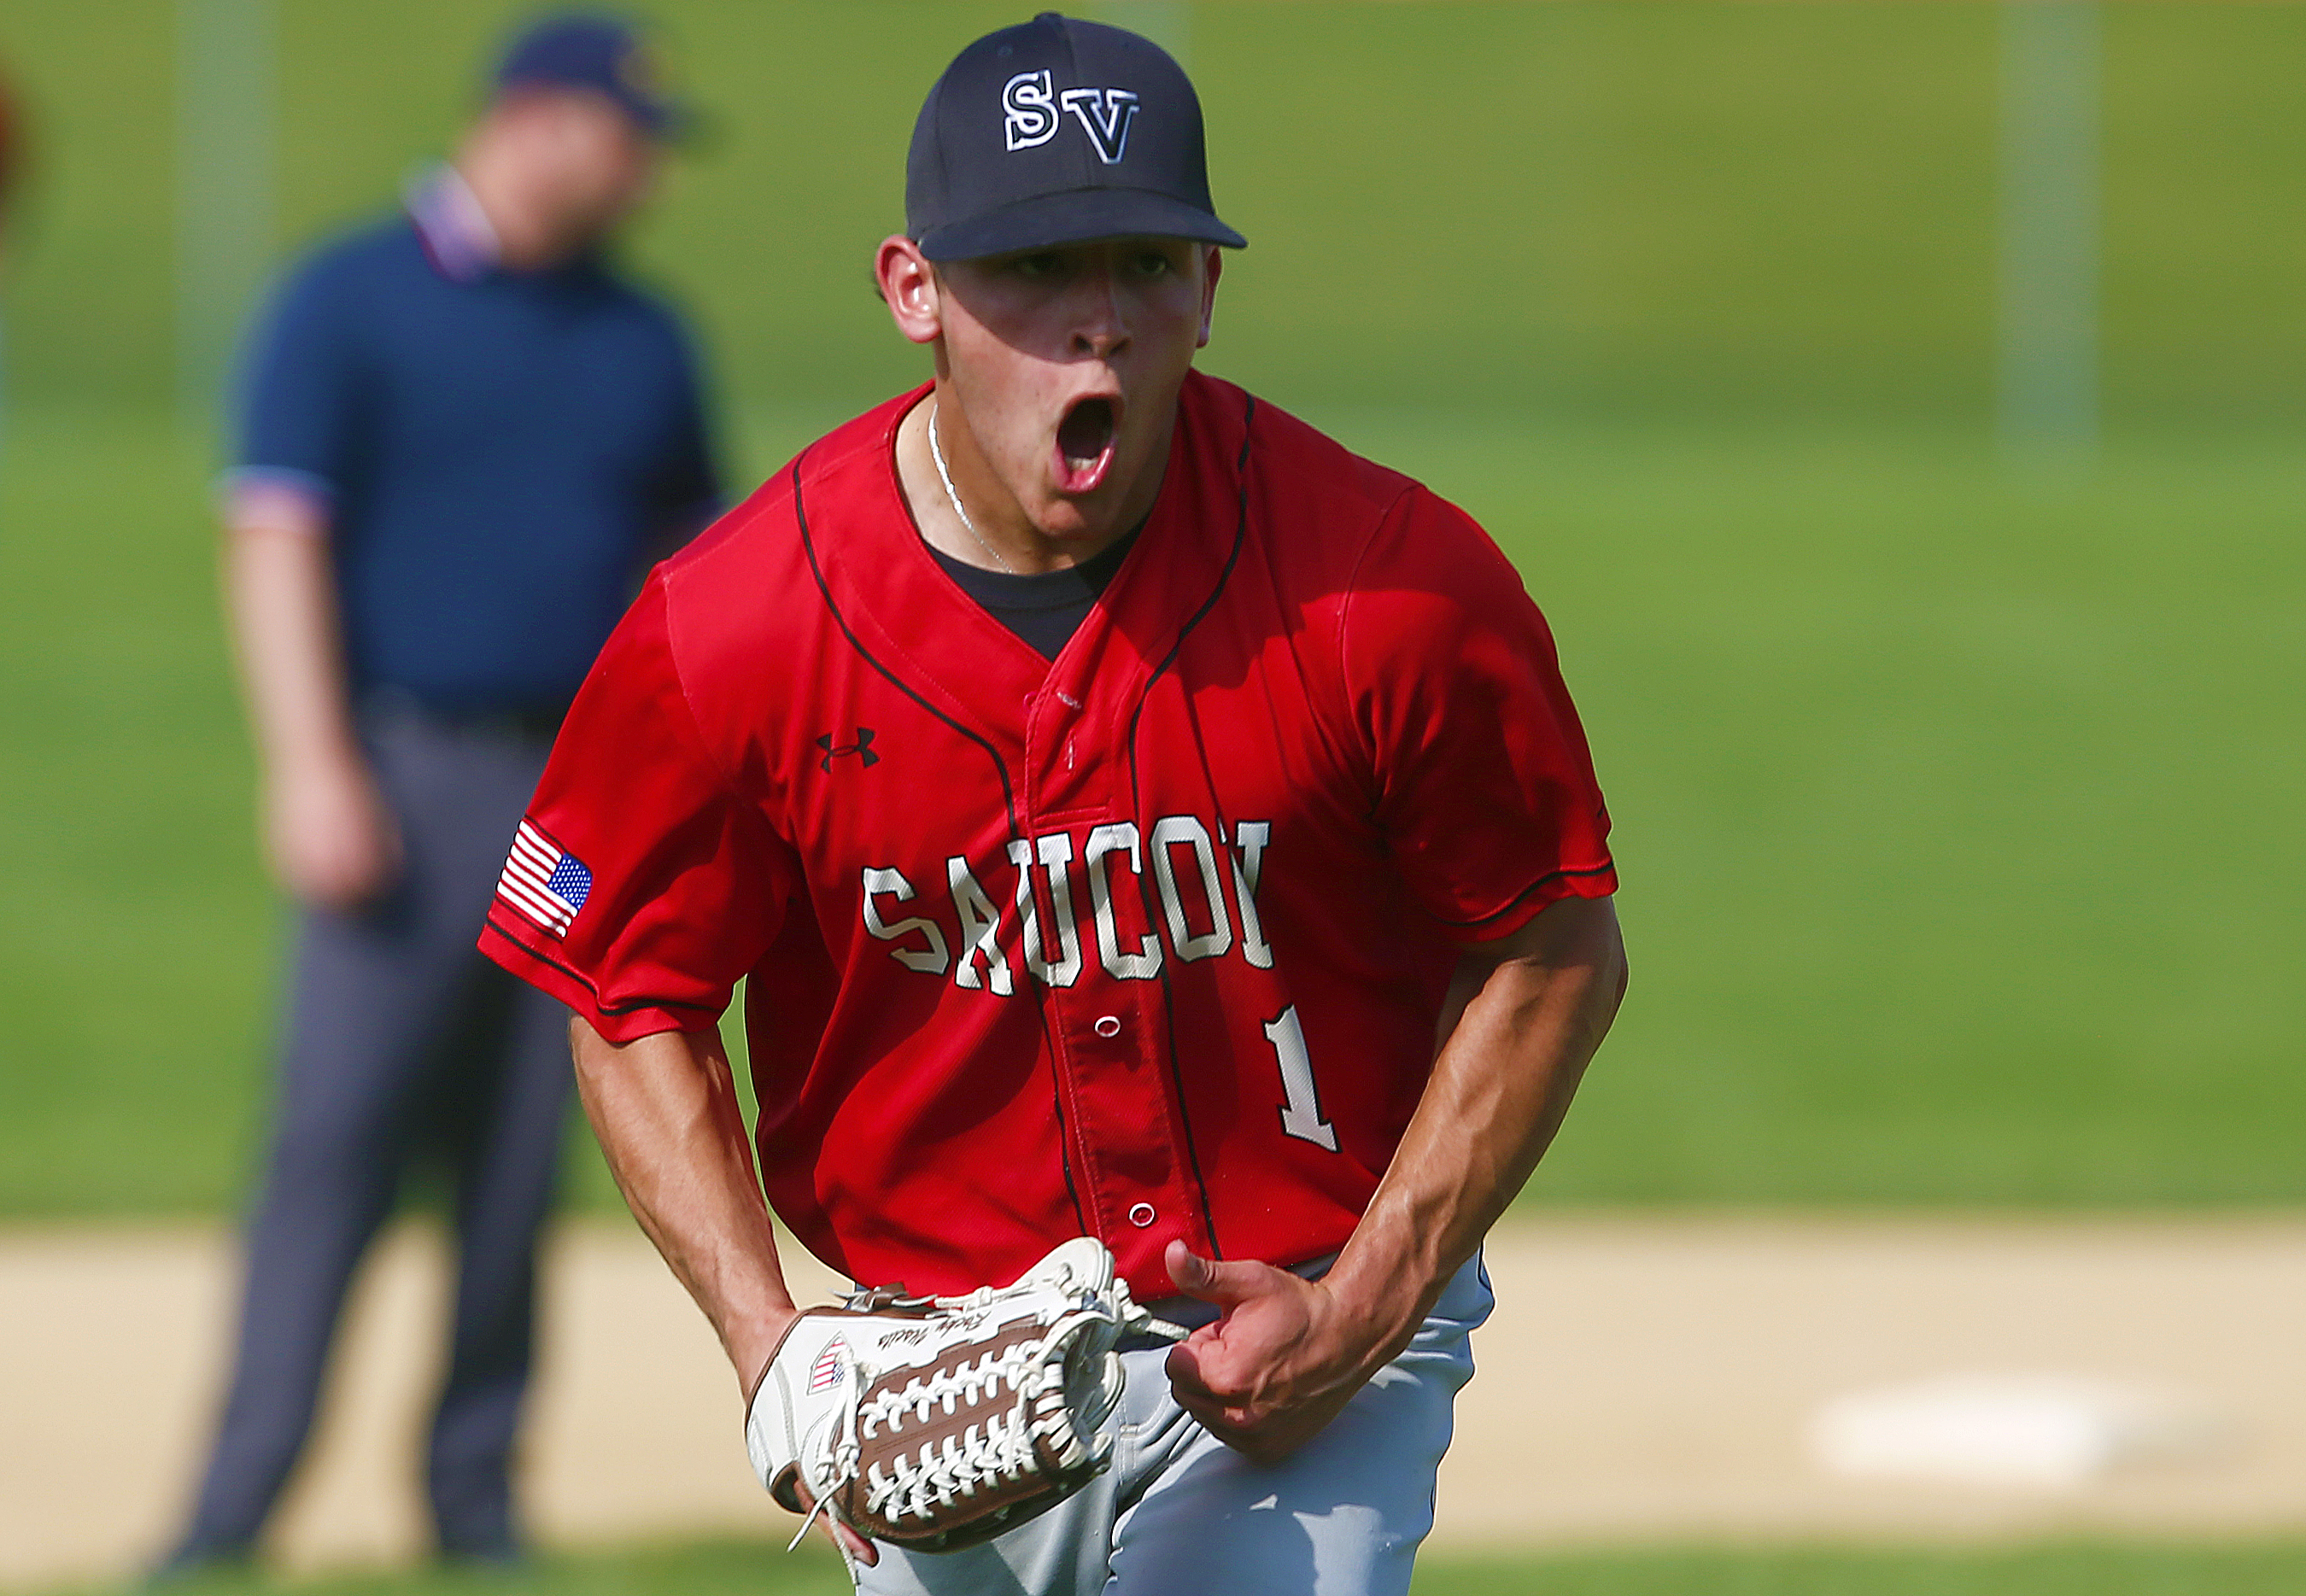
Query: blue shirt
[499, 456]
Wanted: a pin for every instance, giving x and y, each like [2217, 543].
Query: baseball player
[1139, 819]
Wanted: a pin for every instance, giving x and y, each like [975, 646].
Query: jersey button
[1108, 1026]
[1141, 1214]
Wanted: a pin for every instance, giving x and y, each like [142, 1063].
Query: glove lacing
[845, 1449]
[1000, 1452]
[1005, 1449]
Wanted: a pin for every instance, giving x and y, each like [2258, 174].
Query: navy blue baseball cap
[1055, 131]
[595, 51]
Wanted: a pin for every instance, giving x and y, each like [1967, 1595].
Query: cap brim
[666, 121]
[1076, 216]
[669, 121]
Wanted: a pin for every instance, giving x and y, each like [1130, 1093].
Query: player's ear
[908, 286]
[1213, 267]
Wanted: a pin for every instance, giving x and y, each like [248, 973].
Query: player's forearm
[1525, 1026]
[665, 1110]
[283, 600]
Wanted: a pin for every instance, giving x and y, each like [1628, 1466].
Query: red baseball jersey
[1146, 942]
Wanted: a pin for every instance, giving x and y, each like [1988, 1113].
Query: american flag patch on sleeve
[545, 883]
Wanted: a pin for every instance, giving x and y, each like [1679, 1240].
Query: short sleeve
[640, 886]
[1483, 784]
[300, 385]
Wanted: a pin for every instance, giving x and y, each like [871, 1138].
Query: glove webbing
[1005, 1449]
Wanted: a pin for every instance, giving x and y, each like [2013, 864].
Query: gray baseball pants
[1179, 1514]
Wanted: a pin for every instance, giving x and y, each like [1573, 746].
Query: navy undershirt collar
[1045, 608]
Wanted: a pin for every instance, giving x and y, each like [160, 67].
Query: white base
[2026, 1431]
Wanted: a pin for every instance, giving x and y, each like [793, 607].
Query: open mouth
[1085, 440]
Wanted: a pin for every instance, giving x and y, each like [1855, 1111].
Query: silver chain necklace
[936, 453]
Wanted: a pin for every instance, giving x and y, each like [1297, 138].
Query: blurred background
[1896, 408]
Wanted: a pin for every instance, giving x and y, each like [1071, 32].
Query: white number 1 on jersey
[1301, 1111]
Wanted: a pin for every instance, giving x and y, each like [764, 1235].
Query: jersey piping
[1607, 866]
[1008, 798]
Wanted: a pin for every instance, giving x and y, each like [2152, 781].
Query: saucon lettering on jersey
[1207, 908]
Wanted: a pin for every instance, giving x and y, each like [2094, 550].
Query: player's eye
[1153, 263]
[1039, 267]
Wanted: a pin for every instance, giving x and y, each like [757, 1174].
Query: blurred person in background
[463, 439]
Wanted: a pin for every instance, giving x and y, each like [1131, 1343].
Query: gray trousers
[1180, 1514]
[402, 1044]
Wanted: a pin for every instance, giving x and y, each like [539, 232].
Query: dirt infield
[1643, 1377]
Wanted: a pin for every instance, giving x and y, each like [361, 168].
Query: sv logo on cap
[1029, 114]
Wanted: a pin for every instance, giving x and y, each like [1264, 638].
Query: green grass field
[728, 1569]
[1954, 802]
[1669, 204]
[1955, 808]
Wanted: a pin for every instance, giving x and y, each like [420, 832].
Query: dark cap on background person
[595, 51]
[1055, 131]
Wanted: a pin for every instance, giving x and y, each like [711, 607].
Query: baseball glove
[935, 1423]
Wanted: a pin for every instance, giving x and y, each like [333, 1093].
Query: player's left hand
[1279, 1362]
